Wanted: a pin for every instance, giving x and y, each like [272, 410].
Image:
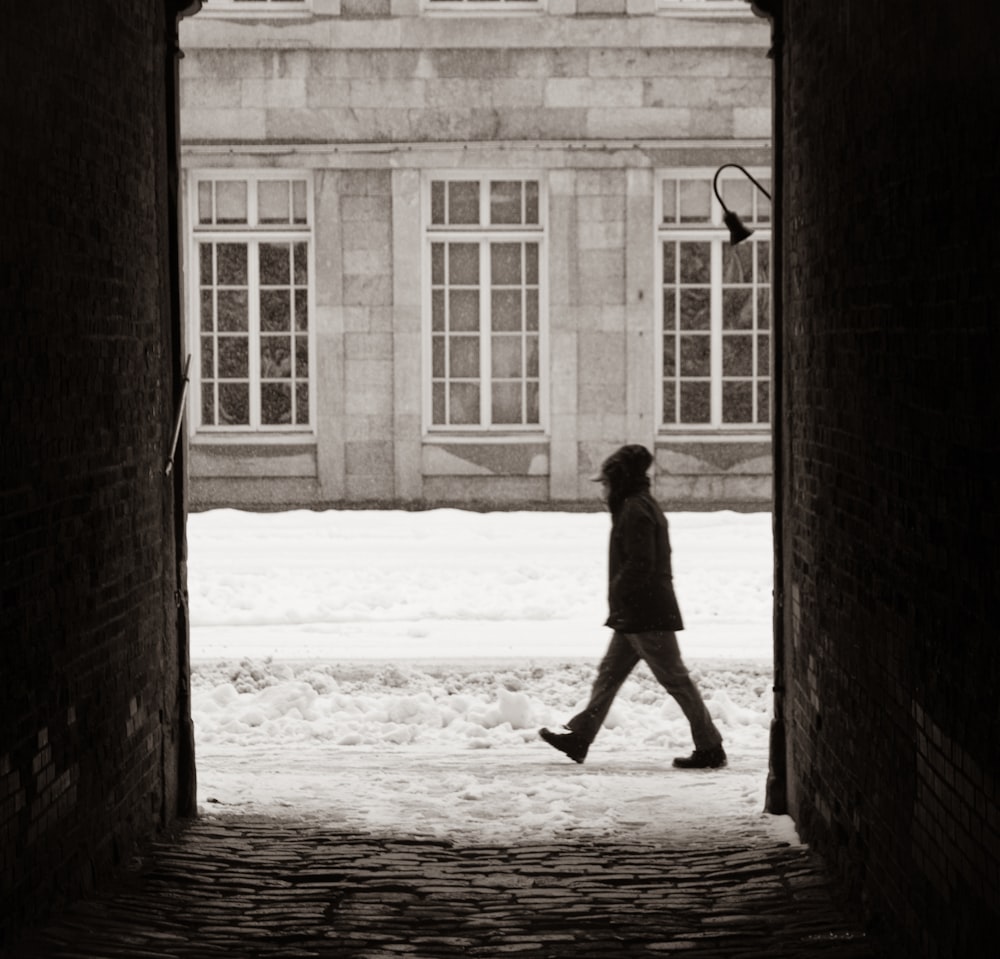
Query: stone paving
[263, 887]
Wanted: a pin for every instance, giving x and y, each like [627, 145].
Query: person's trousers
[661, 652]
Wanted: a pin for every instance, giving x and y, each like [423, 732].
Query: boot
[569, 743]
[702, 759]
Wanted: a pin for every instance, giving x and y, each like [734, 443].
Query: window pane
[696, 356]
[505, 201]
[208, 404]
[763, 203]
[299, 206]
[531, 413]
[670, 402]
[463, 358]
[506, 403]
[275, 357]
[275, 403]
[506, 357]
[531, 364]
[764, 309]
[464, 403]
[437, 264]
[696, 262]
[669, 309]
[670, 348]
[300, 253]
[233, 315]
[231, 264]
[669, 201]
[272, 201]
[234, 359]
[763, 355]
[230, 201]
[437, 310]
[737, 309]
[531, 202]
[437, 404]
[463, 202]
[737, 355]
[208, 357]
[205, 201]
[207, 311]
[695, 403]
[737, 402]
[669, 263]
[695, 312]
[205, 263]
[302, 309]
[738, 195]
[275, 310]
[463, 264]
[737, 263]
[531, 263]
[274, 264]
[763, 261]
[763, 402]
[463, 313]
[437, 356]
[302, 404]
[531, 309]
[506, 309]
[695, 201]
[437, 203]
[301, 357]
[505, 263]
[234, 404]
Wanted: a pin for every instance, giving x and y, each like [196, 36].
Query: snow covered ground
[388, 671]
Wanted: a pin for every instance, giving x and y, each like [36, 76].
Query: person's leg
[619, 660]
[662, 652]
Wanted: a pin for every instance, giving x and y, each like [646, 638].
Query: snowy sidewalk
[254, 888]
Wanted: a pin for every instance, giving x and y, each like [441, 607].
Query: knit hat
[629, 462]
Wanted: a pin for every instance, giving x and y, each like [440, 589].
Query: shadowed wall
[890, 429]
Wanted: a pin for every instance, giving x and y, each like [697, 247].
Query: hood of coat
[624, 471]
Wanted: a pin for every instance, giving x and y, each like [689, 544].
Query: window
[714, 303]
[250, 303]
[484, 303]
[259, 8]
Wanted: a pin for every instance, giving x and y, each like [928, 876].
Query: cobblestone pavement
[255, 887]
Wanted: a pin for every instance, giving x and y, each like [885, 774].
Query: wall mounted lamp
[737, 231]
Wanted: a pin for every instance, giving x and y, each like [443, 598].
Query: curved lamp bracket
[737, 231]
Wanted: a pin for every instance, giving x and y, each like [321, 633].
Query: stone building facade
[443, 252]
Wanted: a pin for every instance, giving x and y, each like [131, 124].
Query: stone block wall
[368, 98]
[891, 531]
[89, 660]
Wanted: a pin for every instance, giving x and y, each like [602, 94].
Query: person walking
[643, 613]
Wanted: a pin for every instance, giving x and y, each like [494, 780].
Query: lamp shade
[737, 231]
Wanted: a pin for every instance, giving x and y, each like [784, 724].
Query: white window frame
[705, 8]
[272, 9]
[483, 235]
[471, 8]
[251, 234]
[717, 234]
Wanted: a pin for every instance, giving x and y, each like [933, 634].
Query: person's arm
[631, 586]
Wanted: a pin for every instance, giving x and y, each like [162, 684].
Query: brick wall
[88, 660]
[890, 432]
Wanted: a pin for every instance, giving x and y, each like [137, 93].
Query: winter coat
[640, 581]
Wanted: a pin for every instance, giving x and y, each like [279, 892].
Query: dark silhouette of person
[643, 613]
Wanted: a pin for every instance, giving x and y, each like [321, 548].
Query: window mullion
[485, 340]
[715, 310]
[253, 324]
